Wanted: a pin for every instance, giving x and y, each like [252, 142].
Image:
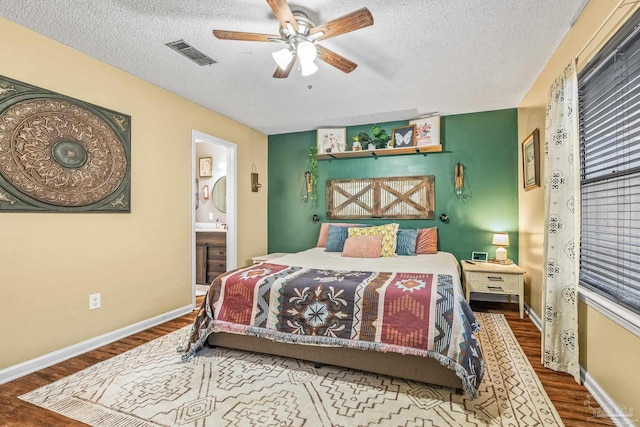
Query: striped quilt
[410, 313]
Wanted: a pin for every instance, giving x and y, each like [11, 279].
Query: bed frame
[417, 368]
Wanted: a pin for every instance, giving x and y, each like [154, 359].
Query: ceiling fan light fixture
[306, 51]
[307, 67]
[282, 57]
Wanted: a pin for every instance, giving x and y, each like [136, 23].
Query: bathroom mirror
[219, 194]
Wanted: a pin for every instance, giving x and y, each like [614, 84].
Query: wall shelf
[382, 152]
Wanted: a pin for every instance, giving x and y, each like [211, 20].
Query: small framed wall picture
[205, 167]
[332, 140]
[427, 130]
[479, 256]
[404, 136]
[531, 160]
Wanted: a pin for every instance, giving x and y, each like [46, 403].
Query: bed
[403, 316]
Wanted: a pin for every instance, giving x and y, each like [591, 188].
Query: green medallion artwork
[60, 154]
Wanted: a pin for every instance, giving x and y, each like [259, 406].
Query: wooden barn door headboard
[401, 197]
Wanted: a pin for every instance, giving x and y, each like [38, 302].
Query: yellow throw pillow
[388, 232]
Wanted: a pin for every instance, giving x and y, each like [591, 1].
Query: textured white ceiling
[419, 57]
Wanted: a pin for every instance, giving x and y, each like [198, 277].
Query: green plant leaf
[364, 137]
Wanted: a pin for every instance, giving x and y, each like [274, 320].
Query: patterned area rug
[150, 386]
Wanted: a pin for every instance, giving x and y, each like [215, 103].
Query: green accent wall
[486, 143]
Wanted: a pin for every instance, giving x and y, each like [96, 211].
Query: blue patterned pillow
[406, 242]
[336, 238]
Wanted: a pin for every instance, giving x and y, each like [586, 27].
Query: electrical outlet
[210, 216]
[94, 301]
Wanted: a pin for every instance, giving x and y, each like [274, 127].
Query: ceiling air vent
[191, 52]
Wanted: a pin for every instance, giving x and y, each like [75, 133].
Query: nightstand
[494, 279]
[267, 257]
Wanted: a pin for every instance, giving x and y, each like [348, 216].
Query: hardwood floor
[568, 397]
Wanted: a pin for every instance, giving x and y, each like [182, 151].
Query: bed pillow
[362, 247]
[324, 231]
[388, 232]
[406, 241]
[336, 237]
[427, 242]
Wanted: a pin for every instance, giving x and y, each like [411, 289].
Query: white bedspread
[442, 262]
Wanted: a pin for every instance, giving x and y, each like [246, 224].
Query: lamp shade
[500, 239]
[307, 67]
[282, 58]
[306, 51]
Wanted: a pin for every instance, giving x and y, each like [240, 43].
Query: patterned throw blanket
[410, 313]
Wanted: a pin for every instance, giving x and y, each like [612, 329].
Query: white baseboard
[44, 361]
[621, 417]
[534, 317]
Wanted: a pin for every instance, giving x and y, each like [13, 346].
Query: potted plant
[356, 146]
[379, 138]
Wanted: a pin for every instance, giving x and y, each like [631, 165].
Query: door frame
[232, 202]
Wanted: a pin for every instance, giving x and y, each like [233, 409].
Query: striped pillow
[427, 242]
[407, 239]
[336, 238]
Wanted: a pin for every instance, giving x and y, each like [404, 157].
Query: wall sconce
[444, 218]
[205, 192]
[255, 185]
[315, 218]
[304, 195]
[307, 178]
[501, 240]
[459, 179]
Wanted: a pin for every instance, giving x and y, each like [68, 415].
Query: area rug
[151, 386]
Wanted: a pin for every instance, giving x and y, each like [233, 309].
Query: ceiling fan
[300, 37]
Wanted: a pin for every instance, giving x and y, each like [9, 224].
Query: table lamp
[500, 240]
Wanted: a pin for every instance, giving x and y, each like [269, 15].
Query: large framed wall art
[401, 197]
[60, 154]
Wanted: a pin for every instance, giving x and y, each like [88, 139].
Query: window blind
[609, 111]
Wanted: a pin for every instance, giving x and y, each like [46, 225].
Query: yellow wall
[610, 360]
[140, 262]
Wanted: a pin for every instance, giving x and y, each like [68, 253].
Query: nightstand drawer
[500, 288]
[492, 278]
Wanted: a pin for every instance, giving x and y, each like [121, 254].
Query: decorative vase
[371, 146]
[356, 146]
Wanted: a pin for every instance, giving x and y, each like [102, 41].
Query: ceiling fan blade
[338, 61]
[283, 12]
[240, 35]
[282, 74]
[350, 22]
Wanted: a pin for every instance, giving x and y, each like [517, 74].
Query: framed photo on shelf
[205, 167]
[404, 136]
[531, 160]
[332, 140]
[427, 130]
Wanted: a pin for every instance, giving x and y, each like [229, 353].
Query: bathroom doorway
[214, 207]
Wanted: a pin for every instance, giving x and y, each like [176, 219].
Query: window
[609, 102]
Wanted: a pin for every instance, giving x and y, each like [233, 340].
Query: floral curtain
[562, 227]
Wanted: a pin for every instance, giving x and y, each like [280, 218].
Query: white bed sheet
[441, 263]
